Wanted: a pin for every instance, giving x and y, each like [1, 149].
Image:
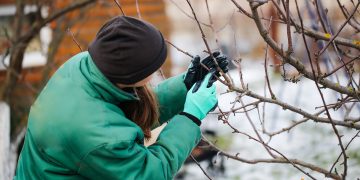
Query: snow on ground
[311, 142]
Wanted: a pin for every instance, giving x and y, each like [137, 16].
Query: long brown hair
[145, 112]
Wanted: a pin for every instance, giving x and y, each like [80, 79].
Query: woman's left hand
[196, 72]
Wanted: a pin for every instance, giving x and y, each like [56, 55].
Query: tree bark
[14, 70]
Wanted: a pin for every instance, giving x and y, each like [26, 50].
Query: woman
[90, 120]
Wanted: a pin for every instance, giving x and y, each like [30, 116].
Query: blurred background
[34, 43]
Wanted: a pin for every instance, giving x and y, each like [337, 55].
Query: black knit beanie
[127, 50]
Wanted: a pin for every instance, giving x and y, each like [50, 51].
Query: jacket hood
[107, 90]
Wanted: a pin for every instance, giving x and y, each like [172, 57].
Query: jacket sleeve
[129, 160]
[171, 95]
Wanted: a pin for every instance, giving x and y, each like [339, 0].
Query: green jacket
[75, 130]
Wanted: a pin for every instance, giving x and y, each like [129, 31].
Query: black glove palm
[197, 73]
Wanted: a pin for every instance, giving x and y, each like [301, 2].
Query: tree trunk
[14, 71]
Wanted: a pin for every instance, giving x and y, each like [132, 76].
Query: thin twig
[354, 24]
[265, 66]
[290, 46]
[74, 40]
[320, 16]
[294, 109]
[294, 164]
[202, 169]
[338, 32]
[212, 25]
[322, 98]
[295, 62]
[296, 123]
[186, 14]
[228, 82]
[160, 71]
[138, 9]
[241, 9]
[119, 6]
[177, 48]
[339, 67]
[356, 135]
[7, 51]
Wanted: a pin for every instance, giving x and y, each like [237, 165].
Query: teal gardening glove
[200, 101]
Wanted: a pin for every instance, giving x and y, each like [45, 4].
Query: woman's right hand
[199, 102]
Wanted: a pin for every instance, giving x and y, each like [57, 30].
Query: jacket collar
[107, 90]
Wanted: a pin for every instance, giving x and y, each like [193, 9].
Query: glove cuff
[192, 118]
